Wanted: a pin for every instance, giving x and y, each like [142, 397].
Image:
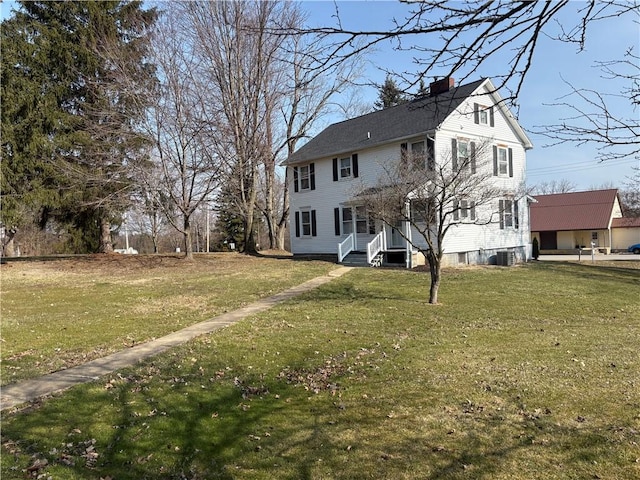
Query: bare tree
[151, 207]
[592, 118]
[630, 195]
[466, 36]
[554, 186]
[237, 58]
[305, 96]
[452, 37]
[185, 143]
[433, 200]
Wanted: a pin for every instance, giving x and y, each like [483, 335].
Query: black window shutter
[336, 221]
[473, 157]
[491, 122]
[476, 113]
[295, 179]
[516, 220]
[314, 231]
[431, 155]
[511, 162]
[473, 210]
[354, 164]
[456, 212]
[335, 169]
[312, 175]
[501, 213]
[297, 224]
[495, 161]
[454, 153]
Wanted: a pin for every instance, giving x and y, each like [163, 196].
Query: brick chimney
[441, 86]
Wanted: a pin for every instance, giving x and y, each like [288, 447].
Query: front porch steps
[359, 259]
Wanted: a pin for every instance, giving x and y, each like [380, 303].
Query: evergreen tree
[73, 85]
[389, 95]
[230, 222]
[423, 91]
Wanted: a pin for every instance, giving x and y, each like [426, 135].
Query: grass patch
[522, 373]
[57, 314]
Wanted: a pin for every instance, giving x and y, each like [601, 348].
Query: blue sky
[554, 61]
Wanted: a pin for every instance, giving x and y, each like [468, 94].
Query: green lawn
[58, 314]
[530, 372]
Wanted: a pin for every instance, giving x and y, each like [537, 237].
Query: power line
[575, 167]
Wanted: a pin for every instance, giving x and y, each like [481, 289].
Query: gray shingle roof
[383, 126]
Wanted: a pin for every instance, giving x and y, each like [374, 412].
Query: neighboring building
[325, 173]
[564, 222]
[624, 233]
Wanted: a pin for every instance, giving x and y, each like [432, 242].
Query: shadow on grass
[593, 271]
[171, 430]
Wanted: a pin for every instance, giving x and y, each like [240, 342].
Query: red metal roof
[573, 211]
[628, 222]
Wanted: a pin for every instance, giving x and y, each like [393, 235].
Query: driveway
[586, 257]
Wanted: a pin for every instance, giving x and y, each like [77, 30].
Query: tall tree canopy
[73, 82]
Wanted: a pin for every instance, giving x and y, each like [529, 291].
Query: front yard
[529, 372]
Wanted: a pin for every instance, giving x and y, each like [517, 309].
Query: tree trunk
[281, 227]
[280, 237]
[105, 236]
[434, 270]
[188, 248]
[8, 248]
[269, 204]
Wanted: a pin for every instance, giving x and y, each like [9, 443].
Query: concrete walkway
[29, 390]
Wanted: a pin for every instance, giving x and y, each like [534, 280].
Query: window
[417, 154]
[463, 154]
[306, 223]
[345, 167]
[347, 221]
[365, 223]
[414, 154]
[464, 209]
[508, 214]
[361, 220]
[482, 115]
[304, 178]
[503, 161]
[422, 210]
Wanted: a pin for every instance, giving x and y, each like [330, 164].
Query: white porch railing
[375, 246]
[346, 246]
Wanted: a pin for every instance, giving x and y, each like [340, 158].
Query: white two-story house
[448, 125]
